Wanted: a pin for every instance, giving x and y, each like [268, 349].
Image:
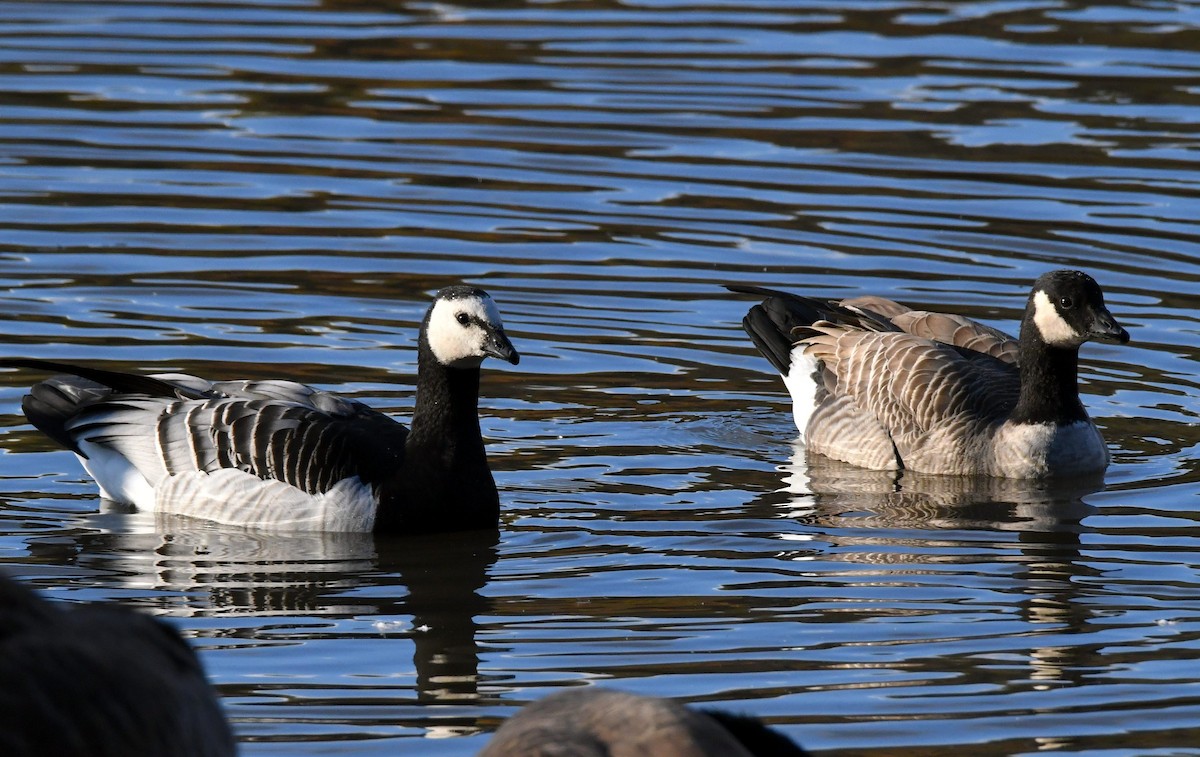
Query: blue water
[276, 189]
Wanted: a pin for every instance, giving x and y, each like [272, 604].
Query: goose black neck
[1049, 381]
[447, 406]
[444, 483]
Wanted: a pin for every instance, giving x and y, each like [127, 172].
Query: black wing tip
[774, 342]
[794, 309]
[49, 409]
[756, 290]
[117, 381]
[771, 322]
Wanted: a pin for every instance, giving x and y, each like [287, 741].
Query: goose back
[598, 722]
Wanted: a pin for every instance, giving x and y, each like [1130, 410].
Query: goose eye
[463, 318]
[1066, 303]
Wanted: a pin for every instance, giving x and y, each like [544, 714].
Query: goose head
[1067, 309]
[463, 327]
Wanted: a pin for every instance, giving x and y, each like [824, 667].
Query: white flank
[233, 496]
[801, 383]
[457, 345]
[1050, 324]
[237, 498]
[118, 479]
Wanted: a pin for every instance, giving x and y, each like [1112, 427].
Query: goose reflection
[444, 574]
[434, 580]
[1030, 530]
[825, 488]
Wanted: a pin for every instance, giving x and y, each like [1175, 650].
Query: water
[275, 189]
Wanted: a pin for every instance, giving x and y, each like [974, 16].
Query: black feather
[782, 319]
[130, 383]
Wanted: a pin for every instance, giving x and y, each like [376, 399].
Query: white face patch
[1054, 330]
[454, 344]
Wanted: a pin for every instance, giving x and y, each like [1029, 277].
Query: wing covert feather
[913, 385]
[273, 439]
[959, 331]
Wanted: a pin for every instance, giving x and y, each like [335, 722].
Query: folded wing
[176, 443]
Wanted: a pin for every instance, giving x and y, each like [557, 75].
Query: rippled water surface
[276, 189]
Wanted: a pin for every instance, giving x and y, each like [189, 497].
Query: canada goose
[284, 455]
[596, 722]
[100, 680]
[878, 385]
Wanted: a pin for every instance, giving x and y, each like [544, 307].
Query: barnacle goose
[100, 680]
[878, 385]
[283, 455]
[598, 722]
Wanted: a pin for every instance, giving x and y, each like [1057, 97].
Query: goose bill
[1105, 328]
[497, 345]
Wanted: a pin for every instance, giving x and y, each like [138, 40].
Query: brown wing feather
[881, 305]
[840, 429]
[947, 328]
[911, 385]
[959, 331]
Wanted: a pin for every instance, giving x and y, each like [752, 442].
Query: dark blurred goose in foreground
[878, 385]
[283, 455]
[99, 680]
[596, 722]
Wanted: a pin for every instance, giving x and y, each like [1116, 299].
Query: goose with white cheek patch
[879, 385]
[283, 455]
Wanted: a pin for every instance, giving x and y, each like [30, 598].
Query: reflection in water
[436, 579]
[888, 514]
[907, 498]
[444, 574]
[274, 188]
[228, 571]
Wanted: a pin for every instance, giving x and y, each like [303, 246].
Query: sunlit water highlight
[275, 189]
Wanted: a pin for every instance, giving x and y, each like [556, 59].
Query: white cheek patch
[1050, 324]
[454, 344]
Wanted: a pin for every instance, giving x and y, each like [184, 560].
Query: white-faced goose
[596, 722]
[283, 455]
[878, 385]
[103, 680]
